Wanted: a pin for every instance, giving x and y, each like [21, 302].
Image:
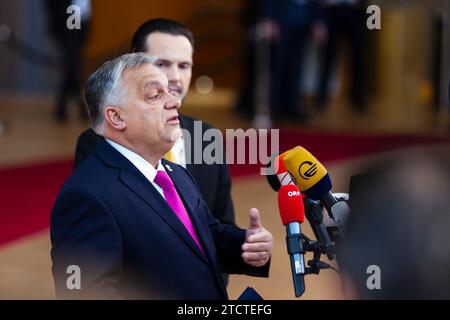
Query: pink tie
[163, 180]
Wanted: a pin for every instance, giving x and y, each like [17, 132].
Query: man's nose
[174, 74]
[172, 102]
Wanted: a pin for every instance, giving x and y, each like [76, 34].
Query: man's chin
[175, 134]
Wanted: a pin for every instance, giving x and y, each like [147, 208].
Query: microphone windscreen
[290, 204]
[273, 181]
[271, 176]
[308, 173]
[279, 164]
[281, 176]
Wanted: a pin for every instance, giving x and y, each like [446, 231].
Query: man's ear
[115, 118]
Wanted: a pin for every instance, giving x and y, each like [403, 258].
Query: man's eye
[154, 97]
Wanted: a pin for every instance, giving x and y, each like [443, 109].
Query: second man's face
[174, 59]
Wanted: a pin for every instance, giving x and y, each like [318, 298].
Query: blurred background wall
[31, 62]
[410, 55]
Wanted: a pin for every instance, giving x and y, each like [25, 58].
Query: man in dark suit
[290, 22]
[172, 44]
[71, 43]
[136, 226]
[344, 18]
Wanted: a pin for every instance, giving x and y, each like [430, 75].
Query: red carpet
[27, 193]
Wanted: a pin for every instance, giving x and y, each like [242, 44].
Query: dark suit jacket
[214, 180]
[111, 222]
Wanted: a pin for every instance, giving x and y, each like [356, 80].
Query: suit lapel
[196, 171]
[190, 207]
[139, 184]
[199, 227]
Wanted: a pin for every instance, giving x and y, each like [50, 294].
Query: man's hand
[257, 248]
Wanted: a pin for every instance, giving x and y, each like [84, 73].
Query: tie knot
[163, 180]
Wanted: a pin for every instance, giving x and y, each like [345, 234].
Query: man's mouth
[173, 120]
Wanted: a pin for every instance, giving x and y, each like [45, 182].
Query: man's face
[151, 111]
[174, 58]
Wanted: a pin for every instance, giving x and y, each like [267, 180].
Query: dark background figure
[71, 43]
[399, 222]
[294, 21]
[344, 18]
[249, 16]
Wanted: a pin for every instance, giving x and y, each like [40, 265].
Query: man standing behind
[173, 44]
[136, 226]
[71, 43]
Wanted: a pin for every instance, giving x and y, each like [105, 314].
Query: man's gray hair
[105, 86]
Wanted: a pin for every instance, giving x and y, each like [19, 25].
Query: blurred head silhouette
[400, 223]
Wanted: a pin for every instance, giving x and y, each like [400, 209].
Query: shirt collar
[140, 163]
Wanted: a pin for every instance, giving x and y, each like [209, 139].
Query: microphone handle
[295, 250]
[340, 212]
[313, 213]
[334, 210]
[328, 200]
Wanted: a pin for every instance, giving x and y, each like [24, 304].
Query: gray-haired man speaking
[135, 224]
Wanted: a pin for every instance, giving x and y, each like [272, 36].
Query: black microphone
[314, 214]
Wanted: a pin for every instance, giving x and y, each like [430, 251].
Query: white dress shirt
[178, 152]
[141, 164]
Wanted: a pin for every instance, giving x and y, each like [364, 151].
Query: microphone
[313, 180]
[291, 209]
[280, 176]
[313, 211]
[330, 224]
